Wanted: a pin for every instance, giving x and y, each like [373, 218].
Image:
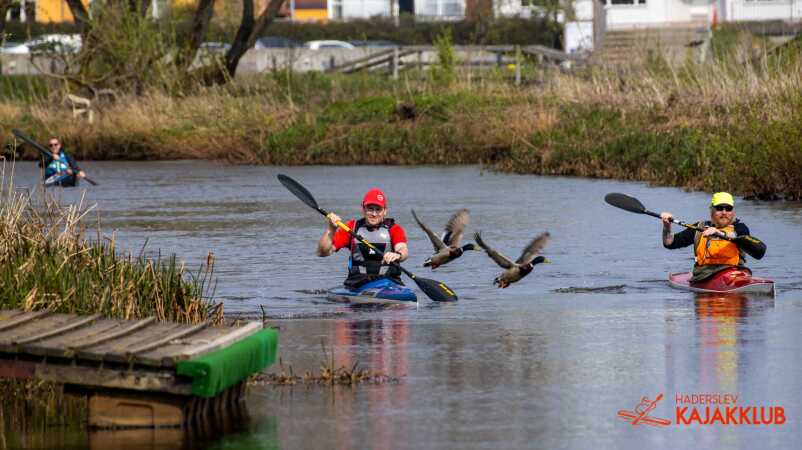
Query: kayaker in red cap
[365, 264]
[714, 248]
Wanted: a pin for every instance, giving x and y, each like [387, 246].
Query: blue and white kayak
[61, 179]
[378, 292]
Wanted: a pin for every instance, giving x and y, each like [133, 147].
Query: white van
[317, 45]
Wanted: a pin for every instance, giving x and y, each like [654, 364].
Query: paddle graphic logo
[641, 413]
[705, 409]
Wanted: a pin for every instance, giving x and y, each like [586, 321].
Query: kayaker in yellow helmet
[723, 242]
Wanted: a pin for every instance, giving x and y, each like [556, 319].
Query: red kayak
[736, 280]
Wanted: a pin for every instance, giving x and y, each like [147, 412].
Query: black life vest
[365, 263]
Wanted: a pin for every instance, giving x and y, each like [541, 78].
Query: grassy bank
[47, 262]
[729, 125]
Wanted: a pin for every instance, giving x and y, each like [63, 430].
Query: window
[337, 9]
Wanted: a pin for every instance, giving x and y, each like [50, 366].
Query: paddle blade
[625, 202]
[20, 135]
[91, 181]
[299, 191]
[435, 290]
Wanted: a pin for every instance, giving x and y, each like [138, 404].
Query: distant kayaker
[365, 264]
[716, 248]
[60, 168]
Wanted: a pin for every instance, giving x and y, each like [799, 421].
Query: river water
[546, 363]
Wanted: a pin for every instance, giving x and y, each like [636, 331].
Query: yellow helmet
[722, 198]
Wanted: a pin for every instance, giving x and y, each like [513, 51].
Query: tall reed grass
[47, 262]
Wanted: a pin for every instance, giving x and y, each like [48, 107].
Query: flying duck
[514, 271]
[447, 249]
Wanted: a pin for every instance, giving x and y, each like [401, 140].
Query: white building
[627, 14]
[358, 9]
[440, 9]
[423, 9]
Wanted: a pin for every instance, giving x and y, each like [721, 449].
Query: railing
[406, 57]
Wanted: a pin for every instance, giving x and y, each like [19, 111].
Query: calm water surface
[547, 363]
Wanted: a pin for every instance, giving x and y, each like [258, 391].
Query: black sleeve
[751, 245]
[682, 239]
[741, 229]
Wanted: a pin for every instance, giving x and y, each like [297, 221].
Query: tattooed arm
[668, 237]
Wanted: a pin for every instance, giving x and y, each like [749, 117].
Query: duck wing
[500, 259]
[534, 247]
[437, 243]
[456, 227]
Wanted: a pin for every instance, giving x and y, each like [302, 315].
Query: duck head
[501, 281]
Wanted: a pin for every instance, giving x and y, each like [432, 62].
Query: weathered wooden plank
[132, 327]
[76, 322]
[177, 335]
[206, 341]
[138, 380]
[58, 345]
[19, 319]
[19, 370]
[8, 314]
[120, 346]
[10, 338]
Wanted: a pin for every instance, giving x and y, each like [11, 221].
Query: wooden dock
[136, 372]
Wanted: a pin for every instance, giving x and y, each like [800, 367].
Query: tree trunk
[4, 4]
[139, 6]
[249, 30]
[200, 23]
[80, 14]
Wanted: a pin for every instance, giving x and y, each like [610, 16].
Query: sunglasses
[723, 208]
[54, 145]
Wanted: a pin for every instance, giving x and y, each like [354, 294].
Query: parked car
[14, 48]
[276, 42]
[317, 45]
[215, 47]
[374, 43]
[46, 43]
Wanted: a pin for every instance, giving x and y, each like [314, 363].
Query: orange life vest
[714, 250]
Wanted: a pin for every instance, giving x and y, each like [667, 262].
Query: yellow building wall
[311, 15]
[257, 4]
[54, 11]
[57, 10]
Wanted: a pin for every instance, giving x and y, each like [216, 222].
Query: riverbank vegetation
[47, 262]
[728, 124]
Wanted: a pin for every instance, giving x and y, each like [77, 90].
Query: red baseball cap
[375, 196]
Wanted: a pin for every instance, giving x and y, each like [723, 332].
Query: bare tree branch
[80, 14]
[200, 24]
[249, 30]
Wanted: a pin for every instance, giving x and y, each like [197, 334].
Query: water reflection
[387, 341]
[722, 322]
